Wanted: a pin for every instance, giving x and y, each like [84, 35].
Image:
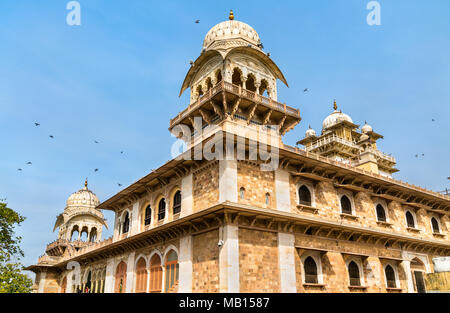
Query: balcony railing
[240, 92]
[331, 139]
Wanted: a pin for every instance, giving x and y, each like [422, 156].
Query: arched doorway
[155, 274]
[418, 271]
[141, 276]
[121, 277]
[172, 269]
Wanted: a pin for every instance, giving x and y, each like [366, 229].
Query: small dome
[366, 128]
[310, 132]
[237, 33]
[335, 118]
[83, 197]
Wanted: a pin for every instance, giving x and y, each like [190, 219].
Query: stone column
[406, 265]
[187, 200]
[283, 197]
[41, 282]
[228, 181]
[185, 263]
[134, 219]
[130, 273]
[109, 279]
[229, 259]
[286, 261]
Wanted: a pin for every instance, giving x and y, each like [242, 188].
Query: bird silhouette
[197, 21]
[433, 120]
[261, 45]
[305, 90]
[268, 54]
[191, 62]
[121, 152]
[96, 170]
[417, 155]
[95, 141]
[36, 124]
[120, 185]
[29, 163]
[19, 169]
[51, 136]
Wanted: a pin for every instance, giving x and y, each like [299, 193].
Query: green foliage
[11, 278]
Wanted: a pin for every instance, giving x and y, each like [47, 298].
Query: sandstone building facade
[327, 217]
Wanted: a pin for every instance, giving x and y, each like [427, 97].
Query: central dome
[83, 197]
[236, 33]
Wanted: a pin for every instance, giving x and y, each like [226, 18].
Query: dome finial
[85, 183]
[335, 105]
[231, 16]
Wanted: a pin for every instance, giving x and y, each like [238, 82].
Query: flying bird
[121, 152]
[95, 141]
[120, 185]
[305, 90]
[51, 136]
[433, 120]
[29, 163]
[36, 124]
[96, 170]
[417, 155]
[19, 169]
[197, 21]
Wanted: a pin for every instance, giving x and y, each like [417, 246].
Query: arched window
[93, 235]
[390, 277]
[346, 205]
[148, 215]
[219, 76]
[435, 225]
[267, 198]
[171, 269]
[87, 287]
[155, 274]
[310, 267]
[381, 214]
[64, 285]
[121, 277]
[208, 84]
[353, 273]
[236, 77]
[304, 195]
[199, 91]
[263, 88]
[126, 223]
[250, 83]
[75, 234]
[242, 193]
[177, 202]
[84, 234]
[161, 209]
[141, 276]
[410, 220]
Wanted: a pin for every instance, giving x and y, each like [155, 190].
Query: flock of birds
[53, 137]
[192, 63]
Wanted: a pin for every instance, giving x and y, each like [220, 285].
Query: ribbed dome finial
[335, 105]
[231, 16]
[85, 183]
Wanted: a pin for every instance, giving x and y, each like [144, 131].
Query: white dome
[335, 118]
[366, 128]
[310, 132]
[83, 197]
[241, 33]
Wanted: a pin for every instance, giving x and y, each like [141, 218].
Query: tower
[233, 85]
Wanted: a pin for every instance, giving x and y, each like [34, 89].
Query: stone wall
[206, 187]
[258, 261]
[205, 262]
[256, 183]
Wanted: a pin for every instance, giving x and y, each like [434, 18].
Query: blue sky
[116, 79]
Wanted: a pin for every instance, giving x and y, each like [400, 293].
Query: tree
[11, 278]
